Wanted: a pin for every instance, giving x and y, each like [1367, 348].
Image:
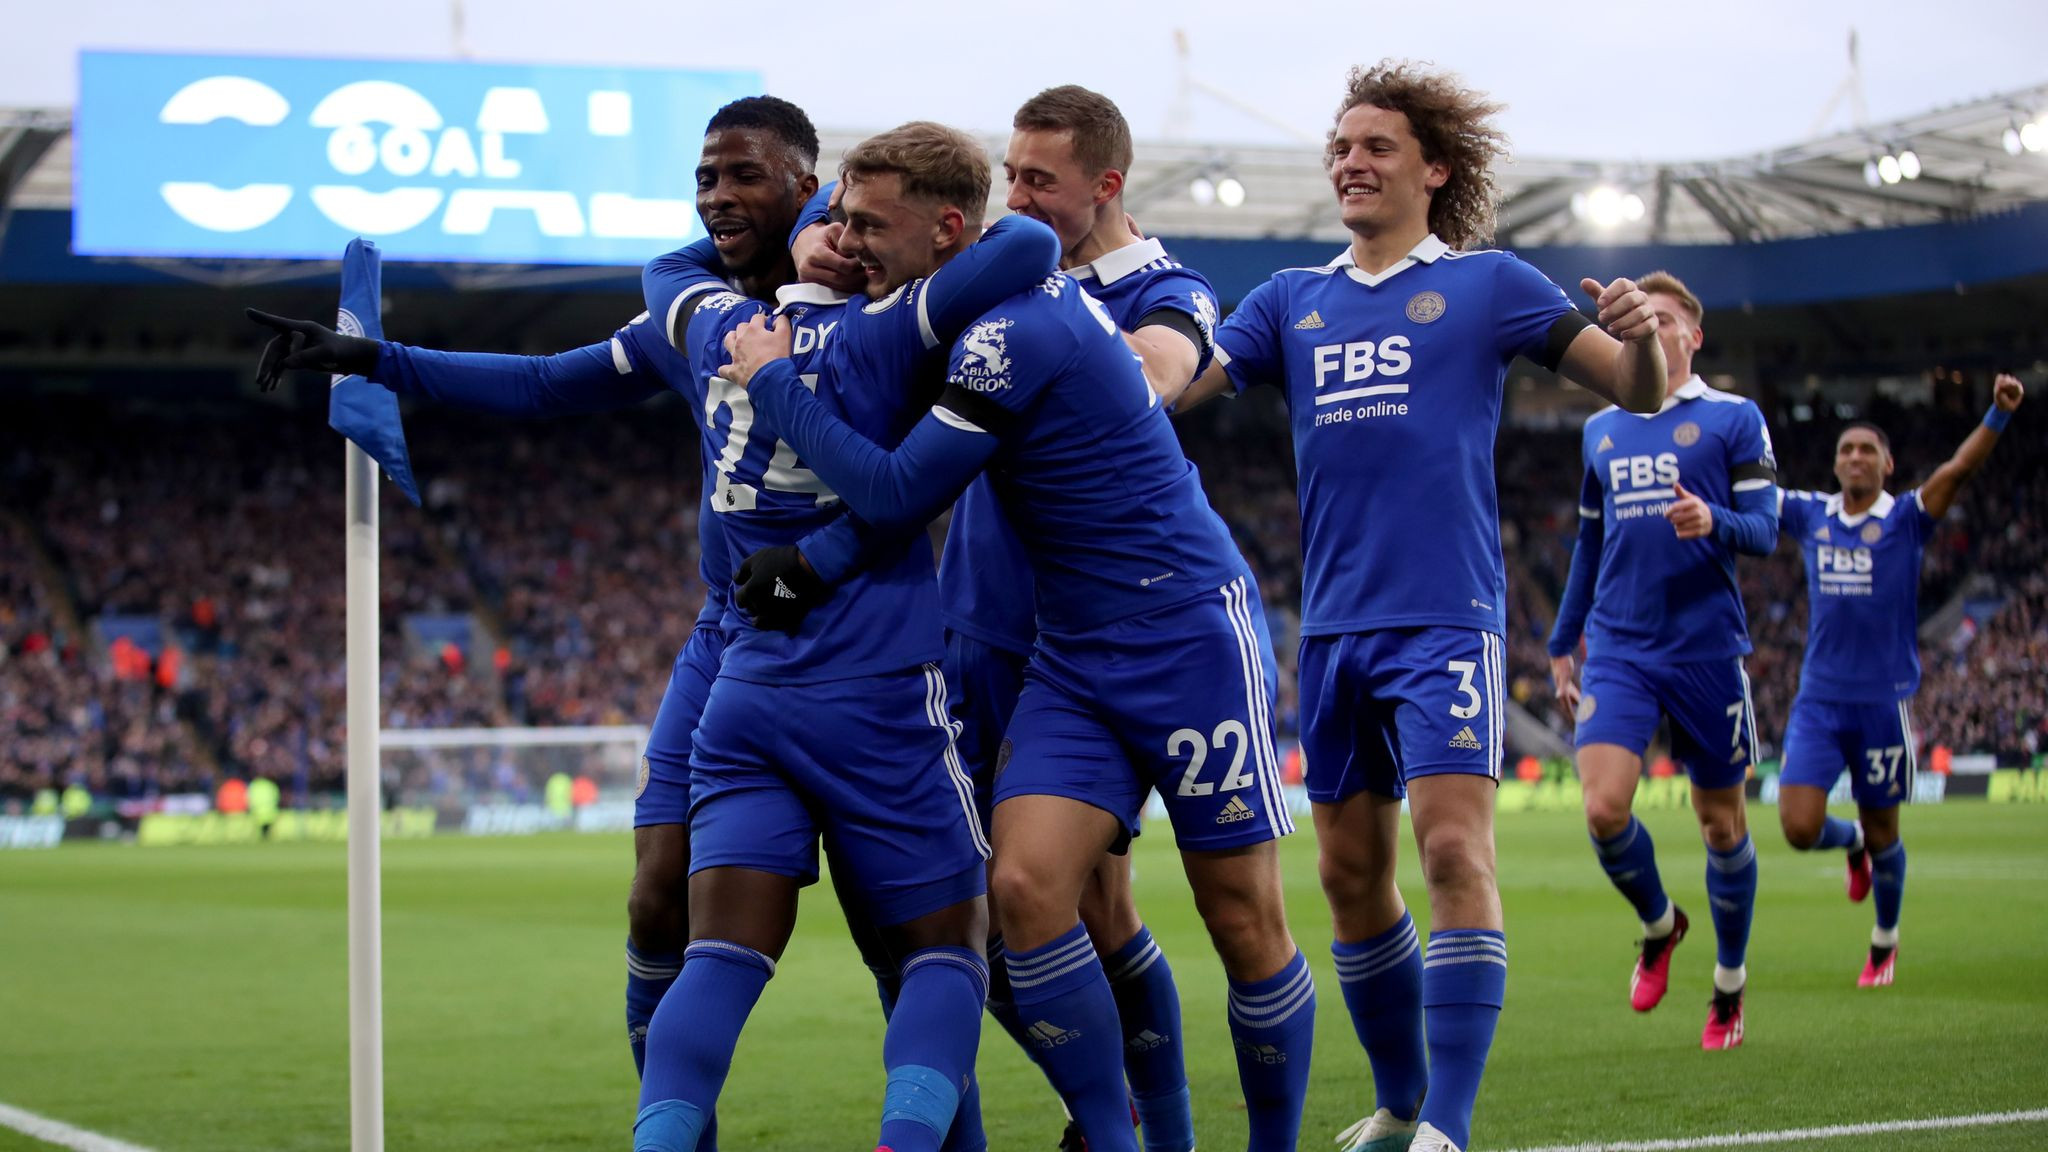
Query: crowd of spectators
[571, 545]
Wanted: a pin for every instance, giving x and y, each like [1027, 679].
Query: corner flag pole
[367, 414]
[365, 915]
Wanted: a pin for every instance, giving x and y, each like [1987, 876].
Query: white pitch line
[61, 1134]
[1784, 1136]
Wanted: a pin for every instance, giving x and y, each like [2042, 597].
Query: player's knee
[656, 914]
[1351, 877]
[1024, 901]
[1801, 831]
[1457, 860]
[1878, 837]
[1723, 831]
[1606, 816]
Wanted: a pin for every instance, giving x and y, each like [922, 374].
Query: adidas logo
[1465, 739]
[1309, 322]
[1606, 444]
[1234, 811]
[1049, 1035]
[783, 591]
[1263, 1053]
[1821, 533]
[1147, 1040]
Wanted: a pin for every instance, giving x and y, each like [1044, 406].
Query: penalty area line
[1787, 1135]
[61, 1134]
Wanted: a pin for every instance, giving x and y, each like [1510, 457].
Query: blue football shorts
[1875, 742]
[662, 794]
[1382, 708]
[1713, 724]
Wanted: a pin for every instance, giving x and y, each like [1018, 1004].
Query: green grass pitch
[195, 999]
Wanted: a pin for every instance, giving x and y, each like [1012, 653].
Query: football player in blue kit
[1068, 157]
[872, 770]
[1145, 669]
[1862, 547]
[1668, 500]
[1391, 361]
[753, 178]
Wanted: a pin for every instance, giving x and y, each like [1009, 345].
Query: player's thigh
[746, 811]
[1446, 686]
[1885, 760]
[662, 793]
[875, 759]
[1347, 737]
[1060, 745]
[1618, 706]
[1713, 724]
[1817, 747]
[1184, 691]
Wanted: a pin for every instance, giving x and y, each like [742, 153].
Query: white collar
[1118, 263]
[1880, 509]
[1692, 389]
[1425, 252]
[801, 293]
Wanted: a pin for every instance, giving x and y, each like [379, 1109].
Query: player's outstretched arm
[1938, 493]
[594, 378]
[1620, 359]
[897, 491]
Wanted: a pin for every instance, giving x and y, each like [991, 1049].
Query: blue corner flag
[367, 413]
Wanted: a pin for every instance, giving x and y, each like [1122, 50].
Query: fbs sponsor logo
[1234, 812]
[1310, 322]
[1465, 739]
[1147, 1040]
[1049, 1035]
[1262, 1053]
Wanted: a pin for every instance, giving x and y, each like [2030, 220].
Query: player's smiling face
[1679, 335]
[1049, 185]
[896, 238]
[749, 194]
[1861, 463]
[1376, 167]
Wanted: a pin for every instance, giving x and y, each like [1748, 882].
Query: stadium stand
[169, 622]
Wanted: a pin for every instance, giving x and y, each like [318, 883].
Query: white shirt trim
[1881, 509]
[1428, 251]
[1113, 266]
[809, 294]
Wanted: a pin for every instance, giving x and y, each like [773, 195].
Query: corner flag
[367, 413]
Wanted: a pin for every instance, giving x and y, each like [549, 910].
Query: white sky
[1584, 81]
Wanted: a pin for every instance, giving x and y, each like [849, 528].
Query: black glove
[776, 589]
[310, 345]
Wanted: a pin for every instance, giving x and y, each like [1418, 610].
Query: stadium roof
[1969, 156]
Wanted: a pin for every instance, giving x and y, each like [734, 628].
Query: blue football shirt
[1657, 596]
[883, 618]
[1393, 385]
[985, 575]
[1862, 594]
